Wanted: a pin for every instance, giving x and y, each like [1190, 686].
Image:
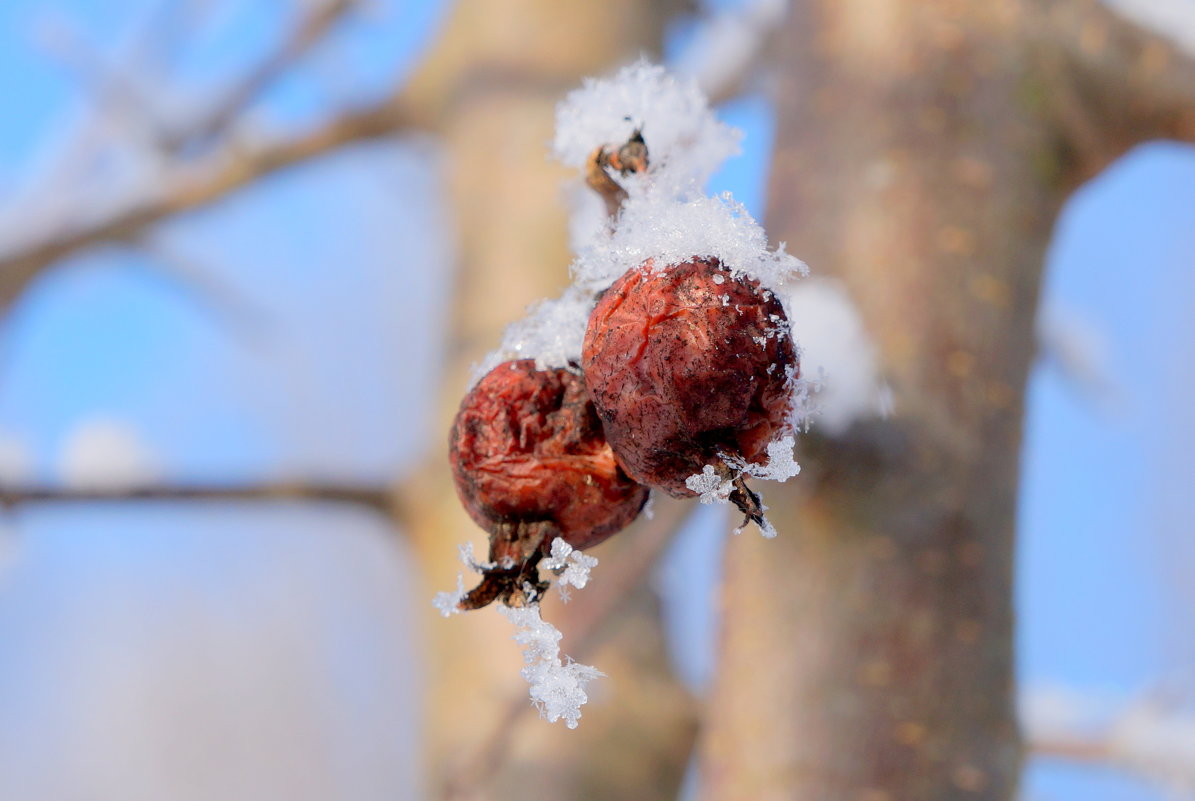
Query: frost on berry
[689, 387]
[531, 464]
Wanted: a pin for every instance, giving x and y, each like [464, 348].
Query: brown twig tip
[749, 503]
[513, 577]
[629, 157]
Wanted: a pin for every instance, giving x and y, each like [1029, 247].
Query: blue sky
[328, 367]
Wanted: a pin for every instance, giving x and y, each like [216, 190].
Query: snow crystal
[670, 231]
[557, 687]
[686, 143]
[470, 561]
[551, 333]
[781, 466]
[572, 565]
[447, 602]
[710, 485]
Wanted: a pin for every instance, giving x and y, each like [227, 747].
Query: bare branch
[595, 611]
[243, 318]
[381, 499]
[1149, 736]
[1113, 83]
[729, 46]
[306, 33]
[185, 187]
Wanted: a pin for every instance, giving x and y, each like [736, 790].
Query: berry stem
[748, 502]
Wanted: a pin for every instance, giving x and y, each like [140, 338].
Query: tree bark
[490, 87]
[867, 653]
[924, 150]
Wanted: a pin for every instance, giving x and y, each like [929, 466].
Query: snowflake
[574, 564]
[710, 486]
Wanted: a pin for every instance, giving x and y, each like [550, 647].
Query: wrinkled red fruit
[685, 364]
[531, 463]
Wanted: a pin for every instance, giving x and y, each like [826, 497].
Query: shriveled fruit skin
[687, 363]
[528, 455]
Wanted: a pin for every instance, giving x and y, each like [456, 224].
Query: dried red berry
[531, 463]
[686, 365]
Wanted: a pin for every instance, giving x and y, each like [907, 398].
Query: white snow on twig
[1152, 734]
[686, 142]
[447, 601]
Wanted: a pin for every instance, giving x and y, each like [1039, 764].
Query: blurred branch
[1112, 82]
[313, 26]
[1146, 736]
[728, 46]
[242, 317]
[593, 613]
[381, 499]
[185, 187]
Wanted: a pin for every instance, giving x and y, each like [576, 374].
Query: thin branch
[595, 611]
[244, 319]
[1148, 736]
[1112, 82]
[186, 187]
[381, 499]
[729, 46]
[310, 30]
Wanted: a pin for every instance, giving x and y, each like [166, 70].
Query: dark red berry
[531, 463]
[686, 365]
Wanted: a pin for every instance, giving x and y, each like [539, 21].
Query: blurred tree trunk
[491, 85]
[923, 153]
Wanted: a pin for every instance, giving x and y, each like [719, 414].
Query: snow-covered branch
[28, 246]
[1114, 79]
[171, 175]
[1150, 736]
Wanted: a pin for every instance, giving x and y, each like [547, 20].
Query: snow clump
[557, 685]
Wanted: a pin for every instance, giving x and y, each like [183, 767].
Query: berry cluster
[679, 372]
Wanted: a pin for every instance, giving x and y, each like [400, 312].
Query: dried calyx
[630, 157]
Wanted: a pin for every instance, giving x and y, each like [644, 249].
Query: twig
[1151, 736]
[243, 318]
[305, 34]
[380, 499]
[595, 611]
[183, 188]
[627, 158]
